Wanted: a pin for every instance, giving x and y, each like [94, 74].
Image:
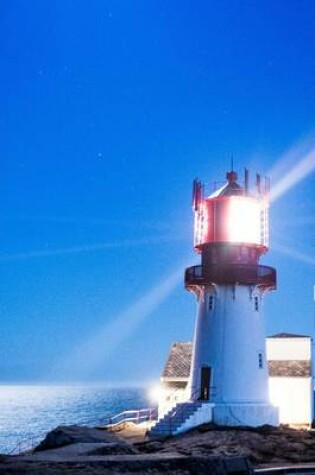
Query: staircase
[172, 421]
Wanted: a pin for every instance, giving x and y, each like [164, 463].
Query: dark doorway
[205, 383]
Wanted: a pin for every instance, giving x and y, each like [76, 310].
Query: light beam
[87, 248]
[300, 161]
[300, 256]
[94, 351]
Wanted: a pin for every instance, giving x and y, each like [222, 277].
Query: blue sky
[109, 109]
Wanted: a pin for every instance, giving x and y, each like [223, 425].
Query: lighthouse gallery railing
[264, 276]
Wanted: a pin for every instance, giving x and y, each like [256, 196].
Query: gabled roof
[288, 335]
[178, 362]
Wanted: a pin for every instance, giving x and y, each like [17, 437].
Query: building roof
[292, 368]
[288, 335]
[178, 362]
[229, 189]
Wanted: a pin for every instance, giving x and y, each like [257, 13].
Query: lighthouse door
[205, 383]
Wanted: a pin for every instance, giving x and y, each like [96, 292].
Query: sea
[27, 413]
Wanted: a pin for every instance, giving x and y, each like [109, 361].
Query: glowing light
[155, 393]
[244, 220]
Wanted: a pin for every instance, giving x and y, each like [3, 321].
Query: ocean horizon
[29, 411]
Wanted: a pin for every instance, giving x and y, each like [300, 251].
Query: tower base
[245, 414]
[187, 415]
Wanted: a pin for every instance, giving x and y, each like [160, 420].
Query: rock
[262, 445]
[66, 435]
[113, 449]
[150, 447]
[205, 427]
[264, 428]
[157, 464]
[237, 465]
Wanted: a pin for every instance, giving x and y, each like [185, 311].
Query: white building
[289, 360]
[290, 377]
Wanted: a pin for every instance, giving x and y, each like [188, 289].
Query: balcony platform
[263, 276]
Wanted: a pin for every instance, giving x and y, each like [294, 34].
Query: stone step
[177, 416]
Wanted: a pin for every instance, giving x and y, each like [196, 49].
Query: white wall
[230, 339]
[250, 415]
[288, 348]
[169, 397]
[293, 396]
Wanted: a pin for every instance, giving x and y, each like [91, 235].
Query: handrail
[131, 411]
[141, 415]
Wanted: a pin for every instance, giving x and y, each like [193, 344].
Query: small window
[256, 304]
[211, 302]
[260, 360]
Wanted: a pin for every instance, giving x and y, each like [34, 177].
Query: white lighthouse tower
[229, 369]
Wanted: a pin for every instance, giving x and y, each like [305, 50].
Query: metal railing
[264, 276]
[137, 416]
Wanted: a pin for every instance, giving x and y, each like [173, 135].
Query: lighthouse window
[260, 360]
[211, 302]
[256, 304]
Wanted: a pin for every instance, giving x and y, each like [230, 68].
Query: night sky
[109, 110]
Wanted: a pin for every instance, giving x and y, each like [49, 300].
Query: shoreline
[76, 450]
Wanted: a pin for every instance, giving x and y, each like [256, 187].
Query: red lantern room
[231, 232]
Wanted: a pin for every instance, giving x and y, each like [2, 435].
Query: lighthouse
[228, 380]
[229, 369]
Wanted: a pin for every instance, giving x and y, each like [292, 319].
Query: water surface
[28, 412]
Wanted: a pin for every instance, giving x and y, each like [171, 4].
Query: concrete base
[194, 413]
[232, 415]
[251, 415]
